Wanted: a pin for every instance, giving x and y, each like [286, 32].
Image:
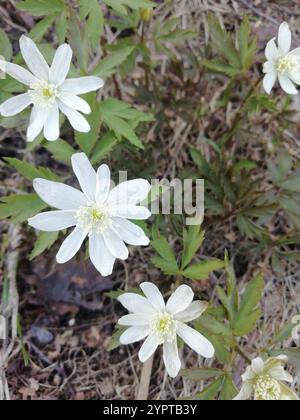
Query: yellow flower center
[287, 64]
[43, 94]
[267, 388]
[92, 218]
[48, 92]
[164, 326]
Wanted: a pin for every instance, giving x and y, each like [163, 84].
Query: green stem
[242, 354]
[239, 112]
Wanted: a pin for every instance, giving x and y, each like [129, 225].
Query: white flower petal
[171, 358]
[82, 85]
[154, 296]
[15, 105]
[134, 334]
[70, 246]
[193, 311]
[287, 85]
[77, 121]
[287, 394]
[34, 59]
[136, 303]
[295, 77]
[129, 192]
[61, 64]
[17, 72]
[59, 195]
[148, 348]
[115, 244]
[103, 184]
[85, 174]
[257, 365]
[249, 374]
[180, 299]
[75, 102]
[130, 211]
[269, 67]
[271, 51]
[269, 81]
[51, 126]
[284, 38]
[195, 340]
[296, 51]
[129, 232]
[36, 122]
[245, 392]
[278, 373]
[135, 320]
[100, 255]
[53, 221]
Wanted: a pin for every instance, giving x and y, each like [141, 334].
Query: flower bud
[146, 14]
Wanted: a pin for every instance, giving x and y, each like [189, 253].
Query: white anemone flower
[99, 213]
[296, 329]
[160, 323]
[263, 381]
[48, 91]
[282, 63]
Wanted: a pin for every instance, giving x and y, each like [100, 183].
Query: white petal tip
[106, 273]
[143, 359]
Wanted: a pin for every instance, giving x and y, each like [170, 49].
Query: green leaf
[123, 129]
[5, 46]
[192, 241]
[201, 270]
[249, 313]
[231, 299]
[167, 261]
[115, 113]
[109, 65]
[114, 342]
[217, 66]
[199, 374]
[61, 27]
[291, 205]
[104, 147]
[91, 10]
[19, 208]
[115, 294]
[292, 353]
[213, 325]
[79, 41]
[292, 183]
[42, 27]
[247, 46]
[223, 352]
[120, 5]
[41, 7]
[229, 390]
[87, 141]
[223, 42]
[178, 35]
[44, 242]
[200, 161]
[283, 334]
[162, 247]
[168, 267]
[209, 393]
[60, 150]
[31, 172]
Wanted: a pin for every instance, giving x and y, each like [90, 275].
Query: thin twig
[10, 307]
[143, 390]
